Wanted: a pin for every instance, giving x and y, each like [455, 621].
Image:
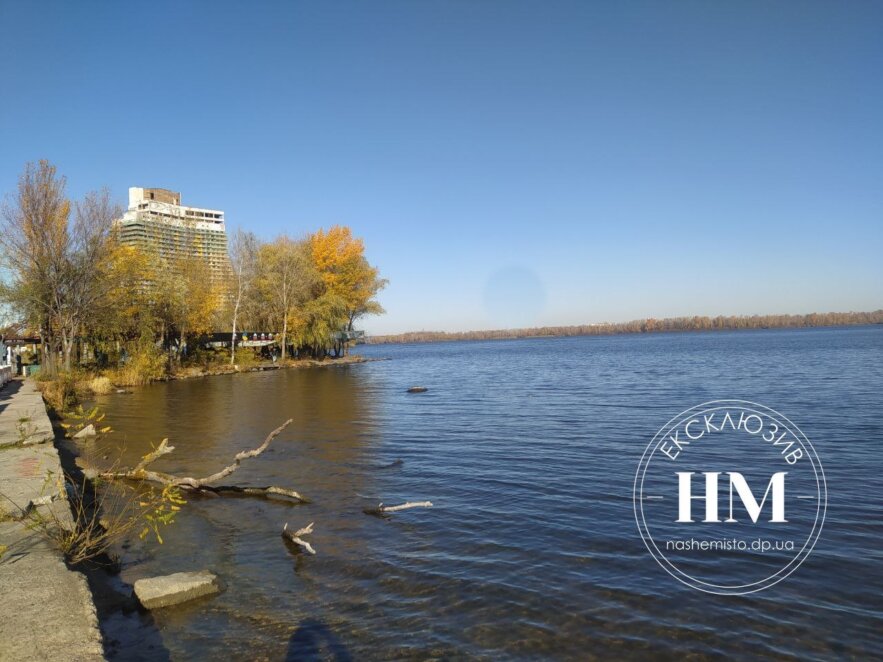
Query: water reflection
[323, 455]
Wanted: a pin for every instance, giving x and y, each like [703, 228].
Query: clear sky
[508, 163]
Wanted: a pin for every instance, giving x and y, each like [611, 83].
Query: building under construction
[158, 223]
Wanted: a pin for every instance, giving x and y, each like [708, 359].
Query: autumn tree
[317, 322]
[285, 283]
[346, 273]
[186, 301]
[87, 266]
[34, 238]
[54, 268]
[126, 312]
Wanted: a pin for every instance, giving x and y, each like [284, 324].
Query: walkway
[46, 610]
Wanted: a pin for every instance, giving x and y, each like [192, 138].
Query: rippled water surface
[528, 449]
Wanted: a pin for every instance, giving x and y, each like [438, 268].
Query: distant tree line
[650, 325]
[68, 280]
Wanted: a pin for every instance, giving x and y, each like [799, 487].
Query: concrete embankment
[46, 610]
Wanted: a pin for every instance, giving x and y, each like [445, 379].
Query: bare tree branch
[296, 537]
[382, 510]
[159, 451]
[140, 472]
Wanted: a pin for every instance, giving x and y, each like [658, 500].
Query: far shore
[649, 325]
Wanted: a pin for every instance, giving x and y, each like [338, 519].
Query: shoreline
[298, 364]
[599, 331]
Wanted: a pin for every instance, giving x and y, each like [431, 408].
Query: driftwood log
[383, 510]
[205, 485]
[295, 537]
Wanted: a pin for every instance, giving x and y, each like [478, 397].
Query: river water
[528, 449]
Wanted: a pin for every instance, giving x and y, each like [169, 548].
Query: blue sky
[507, 163]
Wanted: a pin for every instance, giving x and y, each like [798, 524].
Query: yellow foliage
[100, 385]
[346, 273]
[334, 252]
[147, 363]
[186, 297]
[127, 305]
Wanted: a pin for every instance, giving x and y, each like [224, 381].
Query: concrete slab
[46, 610]
[23, 418]
[176, 588]
[27, 473]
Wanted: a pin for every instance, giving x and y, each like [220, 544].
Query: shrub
[245, 358]
[61, 393]
[100, 385]
[147, 363]
[102, 514]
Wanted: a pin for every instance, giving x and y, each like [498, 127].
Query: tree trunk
[67, 344]
[180, 353]
[233, 337]
[47, 349]
[284, 335]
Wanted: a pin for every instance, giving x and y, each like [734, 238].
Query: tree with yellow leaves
[54, 267]
[126, 311]
[346, 273]
[186, 302]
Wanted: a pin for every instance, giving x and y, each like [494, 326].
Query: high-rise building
[158, 223]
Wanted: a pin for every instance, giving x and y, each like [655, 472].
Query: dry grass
[100, 385]
[60, 393]
[146, 364]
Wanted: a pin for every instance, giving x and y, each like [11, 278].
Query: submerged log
[418, 389]
[204, 485]
[392, 465]
[267, 491]
[295, 537]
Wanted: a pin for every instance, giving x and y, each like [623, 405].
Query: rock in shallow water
[175, 589]
[88, 431]
[417, 389]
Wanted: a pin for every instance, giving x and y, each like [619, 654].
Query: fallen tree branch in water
[382, 510]
[203, 485]
[267, 491]
[296, 537]
[155, 454]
